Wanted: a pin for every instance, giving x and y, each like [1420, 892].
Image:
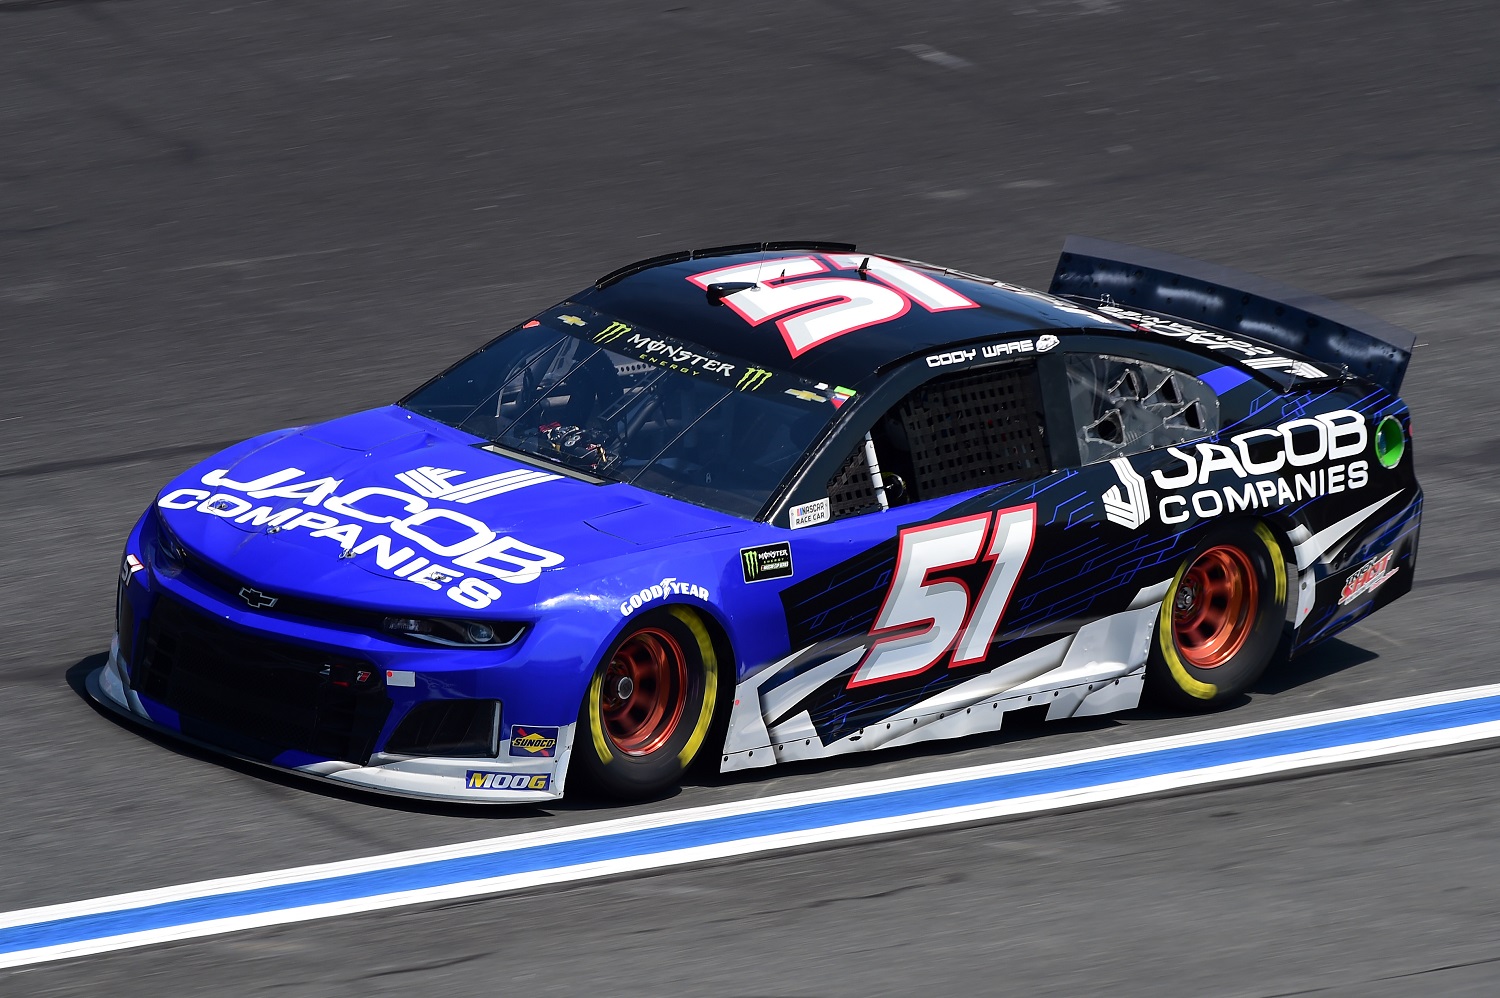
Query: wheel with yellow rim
[1221, 618]
[649, 706]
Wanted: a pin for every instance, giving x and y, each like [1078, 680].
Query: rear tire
[649, 707]
[1221, 619]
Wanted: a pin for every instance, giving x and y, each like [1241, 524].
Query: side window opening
[851, 491]
[957, 432]
[1123, 406]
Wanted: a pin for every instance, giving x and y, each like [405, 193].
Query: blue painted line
[713, 830]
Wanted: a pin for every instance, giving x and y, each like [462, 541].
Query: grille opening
[461, 728]
[255, 696]
[125, 622]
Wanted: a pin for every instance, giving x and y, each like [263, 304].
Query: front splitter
[457, 781]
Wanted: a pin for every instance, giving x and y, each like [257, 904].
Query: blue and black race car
[774, 502]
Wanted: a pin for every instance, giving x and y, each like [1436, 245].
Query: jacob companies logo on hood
[437, 483]
[386, 527]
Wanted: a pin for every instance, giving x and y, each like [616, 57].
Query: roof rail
[818, 245]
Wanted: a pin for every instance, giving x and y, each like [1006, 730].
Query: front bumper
[502, 780]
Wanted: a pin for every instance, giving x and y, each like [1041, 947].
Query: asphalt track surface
[216, 220]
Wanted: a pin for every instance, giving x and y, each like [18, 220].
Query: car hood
[326, 511]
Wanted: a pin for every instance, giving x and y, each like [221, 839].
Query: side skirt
[1099, 669]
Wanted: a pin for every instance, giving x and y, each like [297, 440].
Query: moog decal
[482, 780]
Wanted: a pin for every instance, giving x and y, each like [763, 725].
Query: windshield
[614, 401]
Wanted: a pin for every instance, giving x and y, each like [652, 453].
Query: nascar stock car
[774, 502]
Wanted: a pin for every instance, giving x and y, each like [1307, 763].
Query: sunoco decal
[528, 741]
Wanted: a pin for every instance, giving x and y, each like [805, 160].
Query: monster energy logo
[752, 379]
[769, 561]
[611, 332]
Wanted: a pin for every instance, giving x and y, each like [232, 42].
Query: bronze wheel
[1213, 609]
[644, 692]
[648, 709]
[1221, 618]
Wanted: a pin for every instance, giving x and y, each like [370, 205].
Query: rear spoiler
[1302, 323]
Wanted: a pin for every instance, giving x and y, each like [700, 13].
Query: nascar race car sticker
[809, 513]
[810, 308]
[1294, 452]
[482, 552]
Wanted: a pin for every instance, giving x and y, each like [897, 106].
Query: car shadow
[1021, 727]
[1328, 659]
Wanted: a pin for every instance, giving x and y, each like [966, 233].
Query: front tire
[1221, 619]
[649, 707]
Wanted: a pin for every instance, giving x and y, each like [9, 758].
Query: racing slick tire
[649, 706]
[1221, 619]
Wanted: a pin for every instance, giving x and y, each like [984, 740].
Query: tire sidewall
[598, 763]
[1170, 678]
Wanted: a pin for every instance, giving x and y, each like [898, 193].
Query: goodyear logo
[611, 332]
[769, 561]
[753, 378]
[533, 741]
[481, 780]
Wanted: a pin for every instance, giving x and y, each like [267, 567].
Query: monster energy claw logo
[611, 332]
[752, 379]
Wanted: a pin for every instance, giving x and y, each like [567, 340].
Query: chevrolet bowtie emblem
[257, 599]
